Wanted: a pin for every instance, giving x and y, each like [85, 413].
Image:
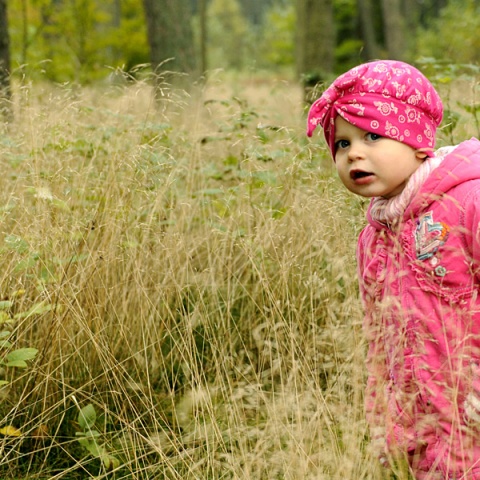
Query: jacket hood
[460, 164]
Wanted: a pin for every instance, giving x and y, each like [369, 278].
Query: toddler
[418, 263]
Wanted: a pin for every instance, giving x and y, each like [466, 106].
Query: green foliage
[9, 355]
[347, 53]
[461, 117]
[276, 38]
[85, 40]
[453, 36]
[89, 438]
[76, 41]
[450, 121]
[229, 35]
[18, 357]
[128, 40]
[349, 44]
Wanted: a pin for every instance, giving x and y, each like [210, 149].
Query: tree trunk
[411, 14]
[170, 37]
[315, 42]
[5, 91]
[202, 15]
[371, 51]
[394, 28]
[254, 10]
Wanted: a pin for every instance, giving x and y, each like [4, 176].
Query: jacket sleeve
[377, 373]
[472, 228]
[471, 222]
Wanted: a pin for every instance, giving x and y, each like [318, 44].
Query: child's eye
[341, 144]
[373, 136]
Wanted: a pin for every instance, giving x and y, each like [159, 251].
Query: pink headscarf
[387, 97]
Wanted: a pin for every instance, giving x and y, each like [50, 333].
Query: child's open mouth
[360, 177]
[359, 174]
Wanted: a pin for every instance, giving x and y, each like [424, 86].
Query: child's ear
[422, 153]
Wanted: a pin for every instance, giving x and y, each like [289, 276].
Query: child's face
[370, 165]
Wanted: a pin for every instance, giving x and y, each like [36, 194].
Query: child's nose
[356, 152]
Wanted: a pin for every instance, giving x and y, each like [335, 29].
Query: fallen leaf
[10, 431]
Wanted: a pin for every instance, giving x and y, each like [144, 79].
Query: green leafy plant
[9, 356]
[89, 437]
[473, 109]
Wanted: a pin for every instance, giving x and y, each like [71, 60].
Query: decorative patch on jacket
[429, 236]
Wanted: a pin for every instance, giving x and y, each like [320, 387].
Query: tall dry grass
[186, 268]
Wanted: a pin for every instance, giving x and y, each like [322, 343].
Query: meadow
[178, 289]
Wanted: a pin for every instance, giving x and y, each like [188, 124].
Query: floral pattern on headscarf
[390, 98]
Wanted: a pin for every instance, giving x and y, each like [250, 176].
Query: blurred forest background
[83, 40]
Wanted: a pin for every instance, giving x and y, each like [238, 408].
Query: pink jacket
[420, 286]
